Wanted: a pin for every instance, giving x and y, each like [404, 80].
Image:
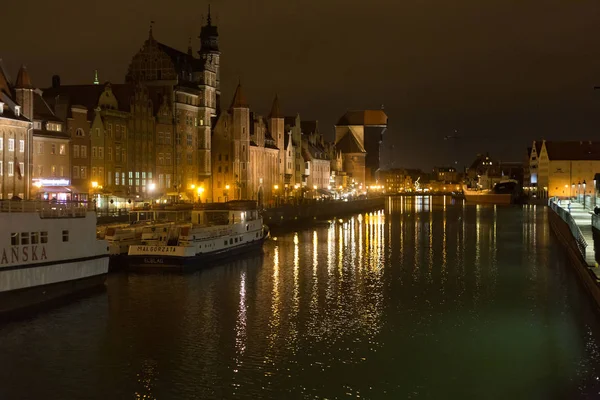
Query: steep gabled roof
[573, 150]
[275, 110]
[41, 109]
[4, 85]
[349, 144]
[239, 100]
[23, 79]
[364, 117]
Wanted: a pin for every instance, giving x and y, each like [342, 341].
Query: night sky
[500, 72]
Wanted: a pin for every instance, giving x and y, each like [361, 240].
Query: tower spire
[190, 46]
[208, 19]
[150, 36]
[96, 81]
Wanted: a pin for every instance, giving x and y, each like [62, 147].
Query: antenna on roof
[96, 81]
[208, 19]
[150, 32]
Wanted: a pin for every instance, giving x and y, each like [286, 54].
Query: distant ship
[505, 192]
[47, 250]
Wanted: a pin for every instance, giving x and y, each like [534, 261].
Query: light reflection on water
[430, 299]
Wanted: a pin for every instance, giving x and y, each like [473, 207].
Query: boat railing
[568, 218]
[46, 209]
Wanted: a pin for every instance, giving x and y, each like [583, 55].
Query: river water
[425, 300]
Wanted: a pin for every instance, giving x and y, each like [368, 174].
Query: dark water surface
[425, 300]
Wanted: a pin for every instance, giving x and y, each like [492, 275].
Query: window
[195, 121]
[110, 154]
[189, 158]
[123, 130]
[1, 143]
[53, 170]
[83, 151]
[219, 157]
[94, 152]
[14, 238]
[43, 237]
[143, 179]
[109, 130]
[160, 138]
[81, 133]
[24, 238]
[53, 148]
[178, 138]
[62, 150]
[65, 236]
[97, 132]
[167, 158]
[94, 172]
[21, 168]
[40, 170]
[137, 179]
[117, 180]
[161, 159]
[124, 156]
[161, 181]
[189, 139]
[230, 241]
[130, 178]
[226, 169]
[226, 157]
[118, 153]
[11, 144]
[75, 172]
[35, 237]
[11, 169]
[225, 243]
[83, 172]
[101, 153]
[76, 151]
[21, 146]
[167, 137]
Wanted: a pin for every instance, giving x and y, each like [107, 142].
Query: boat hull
[30, 298]
[157, 262]
[489, 198]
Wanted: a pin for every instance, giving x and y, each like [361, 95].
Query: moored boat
[504, 192]
[47, 251]
[217, 230]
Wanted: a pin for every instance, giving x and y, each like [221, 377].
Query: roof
[290, 121]
[239, 100]
[41, 109]
[88, 95]
[23, 79]
[309, 127]
[364, 117]
[573, 150]
[4, 85]
[349, 144]
[275, 110]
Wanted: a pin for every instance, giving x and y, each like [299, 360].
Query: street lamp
[200, 191]
[151, 188]
[275, 188]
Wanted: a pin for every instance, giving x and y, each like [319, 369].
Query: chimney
[55, 81]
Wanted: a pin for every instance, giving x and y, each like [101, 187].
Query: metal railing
[575, 231]
[47, 209]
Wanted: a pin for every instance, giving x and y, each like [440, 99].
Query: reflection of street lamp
[151, 188]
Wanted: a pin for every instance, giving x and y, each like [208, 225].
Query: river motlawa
[426, 299]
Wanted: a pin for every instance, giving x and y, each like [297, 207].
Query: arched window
[80, 132]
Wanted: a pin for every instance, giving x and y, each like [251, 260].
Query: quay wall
[293, 215]
[563, 232]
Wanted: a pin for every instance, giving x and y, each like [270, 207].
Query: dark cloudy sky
[501, 72]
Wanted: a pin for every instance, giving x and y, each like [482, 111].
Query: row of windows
[11, 145]
[10, 195]
[27, 238]
[53, 171]
[79, 172]
[11, 168]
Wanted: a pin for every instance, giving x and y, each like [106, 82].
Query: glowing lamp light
[226, 187]
[151, 187]
[200, 190]
[296, 186]
[314, 187]
[275, 187]
[192, 187]
[94, 184]
[38, 184]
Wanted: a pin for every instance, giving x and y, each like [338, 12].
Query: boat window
[65, 236]
[256, 234]
[35, 237]
[43, 237]
[236, 240]
[14, 239]
[240, 238]
[246, 227]
[230, 241]
[24, 238]
[225, 243]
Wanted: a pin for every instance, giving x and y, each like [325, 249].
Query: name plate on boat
[154, 249]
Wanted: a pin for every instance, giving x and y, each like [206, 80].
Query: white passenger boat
[47, 250]
[217, 230]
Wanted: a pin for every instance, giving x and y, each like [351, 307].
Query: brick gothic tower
[276, 126]
[240, 112]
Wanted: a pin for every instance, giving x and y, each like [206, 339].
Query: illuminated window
[11, 144]
[14, 239]
[62, 150]
[21, 146]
